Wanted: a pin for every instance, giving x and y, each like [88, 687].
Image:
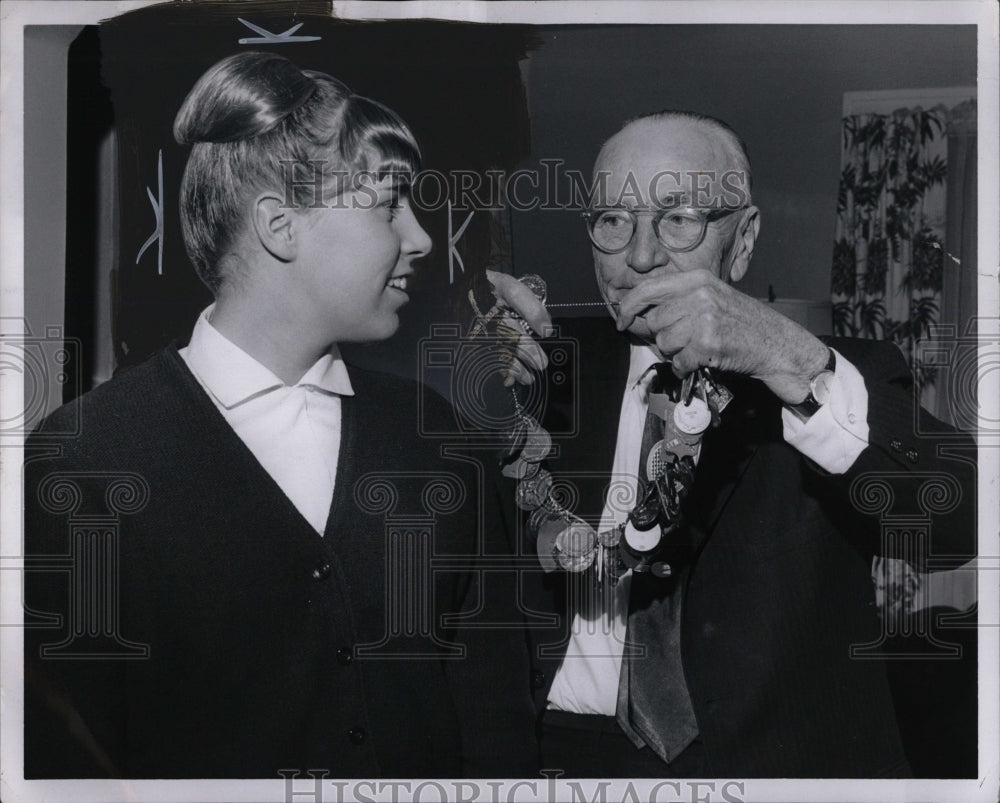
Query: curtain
[904, 264]
[889, 242]
[957, 404]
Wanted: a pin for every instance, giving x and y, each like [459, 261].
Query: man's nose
[646, 252]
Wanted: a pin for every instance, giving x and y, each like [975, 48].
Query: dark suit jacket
[197, 626]
[779, 589]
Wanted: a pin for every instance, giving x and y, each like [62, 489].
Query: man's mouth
[398, 283]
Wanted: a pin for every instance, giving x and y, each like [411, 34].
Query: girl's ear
[275, 227]
[743, 245]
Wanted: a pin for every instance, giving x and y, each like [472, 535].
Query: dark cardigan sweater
[269, 648]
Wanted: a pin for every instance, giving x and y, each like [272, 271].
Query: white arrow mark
[453, 254]
[268, 38]
[157, 203]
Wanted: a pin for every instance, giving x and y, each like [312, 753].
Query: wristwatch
[819, 390]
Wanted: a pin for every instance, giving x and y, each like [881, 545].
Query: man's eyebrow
[672, 200]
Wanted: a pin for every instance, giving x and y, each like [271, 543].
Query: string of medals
[642, 542]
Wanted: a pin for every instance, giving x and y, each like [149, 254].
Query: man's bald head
[683, 142]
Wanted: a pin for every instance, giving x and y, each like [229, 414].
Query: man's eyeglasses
[677, 229]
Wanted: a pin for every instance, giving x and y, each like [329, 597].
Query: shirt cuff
[837, 433]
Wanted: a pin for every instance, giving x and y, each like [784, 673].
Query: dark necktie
[654, 706]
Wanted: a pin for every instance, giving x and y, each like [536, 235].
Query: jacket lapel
[727, 453]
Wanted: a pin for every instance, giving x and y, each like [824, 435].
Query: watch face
[821, 387]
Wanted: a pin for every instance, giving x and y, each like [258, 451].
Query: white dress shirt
[293, 431]
[587, 679]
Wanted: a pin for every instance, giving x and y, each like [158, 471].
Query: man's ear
[276, 227]
[743, 244]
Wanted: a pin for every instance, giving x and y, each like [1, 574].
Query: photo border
[16, 14]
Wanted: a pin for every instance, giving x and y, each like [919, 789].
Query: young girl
[287, 549]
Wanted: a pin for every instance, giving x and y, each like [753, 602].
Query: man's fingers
[658, 287]
[675, 340]
[517, 372]
[640, 298]
[519, 298]
[683, 363]
[531, 354]
[523, 345]
[664, 317]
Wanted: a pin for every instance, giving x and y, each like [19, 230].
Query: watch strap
[810, 405]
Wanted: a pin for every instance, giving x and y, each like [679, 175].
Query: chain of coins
[564, 540]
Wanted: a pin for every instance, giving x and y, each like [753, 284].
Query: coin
[519, 469]
[641, 540]
[547, 527]
[576, 546]
[692, 418]
[577, 539]
[576, 565]
[609, 538]
[537, 444]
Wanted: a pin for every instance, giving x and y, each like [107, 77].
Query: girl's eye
[392, 204]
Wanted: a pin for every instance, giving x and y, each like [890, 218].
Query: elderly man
[707, 617]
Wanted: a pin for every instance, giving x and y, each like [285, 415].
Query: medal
[656, 462]
[576, 547]
[537, 442]
[533, 491]
[520, 468]
[692, 414]
[693, 418]
[647, 512]
[546, 528]
[640, 540]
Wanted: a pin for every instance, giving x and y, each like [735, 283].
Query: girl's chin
[386, 327]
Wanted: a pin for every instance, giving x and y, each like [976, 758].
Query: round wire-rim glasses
[678, 229]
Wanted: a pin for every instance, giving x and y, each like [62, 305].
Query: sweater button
[537, 679]
[321, 572]
[912, 456]
[345, 656]
[357, 735]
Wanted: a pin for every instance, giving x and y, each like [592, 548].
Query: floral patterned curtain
[888, 251]
[905, 226]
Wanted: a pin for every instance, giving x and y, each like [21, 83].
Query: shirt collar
[642, 357]
[232, 376]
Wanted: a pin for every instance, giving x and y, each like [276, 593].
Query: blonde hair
[251, 118]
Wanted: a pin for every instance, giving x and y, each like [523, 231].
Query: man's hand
[528, 355]
[699, 320]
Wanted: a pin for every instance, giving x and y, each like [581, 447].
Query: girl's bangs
[394, 156]
[377, 141]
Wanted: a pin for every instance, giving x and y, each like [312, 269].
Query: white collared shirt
[587, 679]
[293, 431]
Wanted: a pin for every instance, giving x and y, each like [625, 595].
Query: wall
[45, 55]
[781, 87]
